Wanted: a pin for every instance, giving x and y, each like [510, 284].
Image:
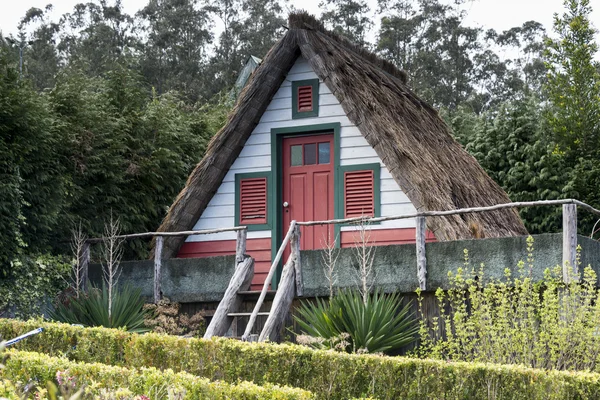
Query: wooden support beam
[281, 303]
[268, 279]
[157, 269]
[241, 280]
[570, 267]
[240, 245]
[295, 247]
[421, 257]
[85, 266]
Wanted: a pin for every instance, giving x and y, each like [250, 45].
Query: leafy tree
[41, 57]
[175, 52]
[509, 144]
[31, 167]
[96, 36]
[128, 152]
[261, 27]
[348, 17]
[573, 91]
[227, 58]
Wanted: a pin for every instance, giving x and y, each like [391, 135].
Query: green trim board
[376, 168]
[315, 99]
[270, 208]
[277, 135]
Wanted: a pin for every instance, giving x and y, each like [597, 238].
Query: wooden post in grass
[157, 268]
[421, 257]
[570, 267]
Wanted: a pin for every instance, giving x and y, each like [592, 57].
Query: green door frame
[277, 135]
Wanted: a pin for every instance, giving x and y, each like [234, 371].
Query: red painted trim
[385, 237]
[260, 249]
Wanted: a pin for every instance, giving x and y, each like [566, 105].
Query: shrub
[328, 374]
[91, 309]
[32, 284]
[547, 324]
[96, 378]
[349, 322]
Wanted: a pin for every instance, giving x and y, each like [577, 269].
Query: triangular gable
[407, 134]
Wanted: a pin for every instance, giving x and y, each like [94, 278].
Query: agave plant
[92, 309]
[375, 325]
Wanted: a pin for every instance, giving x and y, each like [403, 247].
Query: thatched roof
[408, 135]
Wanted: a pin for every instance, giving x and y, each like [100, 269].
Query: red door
[308, 187]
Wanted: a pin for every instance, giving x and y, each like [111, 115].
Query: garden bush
[514, 320]
[328, 374]
[32, 284]
[24, 367]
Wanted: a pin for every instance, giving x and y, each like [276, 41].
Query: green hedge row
[21, 366]
[327, 374]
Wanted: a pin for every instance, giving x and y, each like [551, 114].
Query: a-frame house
[324, 129]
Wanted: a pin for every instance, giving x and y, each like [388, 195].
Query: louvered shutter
[253, 201]
[359, 194]
[305, 98]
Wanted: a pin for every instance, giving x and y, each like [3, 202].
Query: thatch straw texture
[407, 134]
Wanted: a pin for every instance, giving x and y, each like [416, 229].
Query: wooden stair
[239, 285]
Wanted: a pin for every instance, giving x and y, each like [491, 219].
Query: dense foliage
[100, 381]
[327, 374]
[33, 282]
[546, 324]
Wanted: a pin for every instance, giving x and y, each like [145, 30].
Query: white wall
[256, 157]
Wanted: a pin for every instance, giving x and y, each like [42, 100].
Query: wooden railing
[569, 242]
[292, 268]
[569, 228]
[240, 250]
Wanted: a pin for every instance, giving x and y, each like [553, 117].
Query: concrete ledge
[187, 280]
[184, 280]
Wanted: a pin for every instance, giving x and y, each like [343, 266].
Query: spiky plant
[91, 309]
[374, 324]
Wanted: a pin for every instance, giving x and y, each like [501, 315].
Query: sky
[497, 14]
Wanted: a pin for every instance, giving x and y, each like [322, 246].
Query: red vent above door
[359, 194]
[253, 201]
[305, 98]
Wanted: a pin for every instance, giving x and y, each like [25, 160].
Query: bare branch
[365, 255]
[112, 251]
[78, 239]
[329, 257]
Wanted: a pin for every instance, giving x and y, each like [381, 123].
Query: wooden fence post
[240, 245]
[85, 266]
[157, 268]
[421, 257]
[295, 248]
[570, 267]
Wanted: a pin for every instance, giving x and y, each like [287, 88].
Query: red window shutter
[305, 98]
[253, 201]
[359, 195]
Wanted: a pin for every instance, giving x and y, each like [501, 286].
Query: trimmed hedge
[25, 366]
[327, 374]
